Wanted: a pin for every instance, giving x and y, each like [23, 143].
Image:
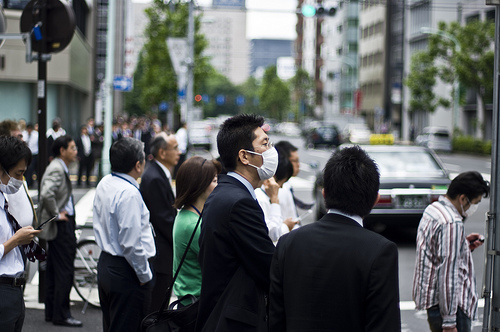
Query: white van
[436, 138]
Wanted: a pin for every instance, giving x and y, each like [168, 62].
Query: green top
[189, 279]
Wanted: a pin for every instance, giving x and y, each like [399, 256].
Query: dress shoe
[71, 322]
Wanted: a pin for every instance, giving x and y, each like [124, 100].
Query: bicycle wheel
[85, 282]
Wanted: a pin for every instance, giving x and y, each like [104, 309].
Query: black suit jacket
[235, 257]
[81, 150]
[334, 275]
[159, 198]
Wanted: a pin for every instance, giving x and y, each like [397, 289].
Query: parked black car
[323, 135]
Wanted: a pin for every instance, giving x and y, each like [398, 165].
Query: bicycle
[86, 259]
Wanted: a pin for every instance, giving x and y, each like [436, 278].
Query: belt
[16, 282]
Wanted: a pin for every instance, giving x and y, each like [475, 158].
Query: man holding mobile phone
[15, 156]
[56, 199]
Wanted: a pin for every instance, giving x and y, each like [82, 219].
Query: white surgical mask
[269, 163]
[12, 186]
[470, 211]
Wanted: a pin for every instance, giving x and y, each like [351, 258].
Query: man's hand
[25, 235]
[63, 215]
[272, 188]
[290, 223]
[474, 240]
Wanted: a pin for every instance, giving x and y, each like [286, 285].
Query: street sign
[122, 83]
[178, 51]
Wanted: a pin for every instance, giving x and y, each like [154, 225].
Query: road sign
[178, 51]
[122, 83]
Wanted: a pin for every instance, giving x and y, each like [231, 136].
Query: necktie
[299, 203]
[31, 251]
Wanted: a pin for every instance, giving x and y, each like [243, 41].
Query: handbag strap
[166, 299]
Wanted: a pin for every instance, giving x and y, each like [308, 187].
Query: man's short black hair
[351, 182]
[286, 147]
[471, 184]
[236, 133]
[61, 142]
[12, 150]
[125, 153]
[284, 171]
[158, 142]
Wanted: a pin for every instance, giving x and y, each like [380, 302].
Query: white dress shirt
[86, 145]
[356, 218]
[182, 139]
[11, 264]
[272, 215]
[121, 223]
[31, 140]
[288, 209]
[20, 207]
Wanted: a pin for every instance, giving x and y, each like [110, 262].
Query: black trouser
[12, 308]
[162, 282]
[60, 271]
[124, 302]
[86, 163]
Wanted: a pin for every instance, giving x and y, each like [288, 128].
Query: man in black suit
[157, 193]
[235, 249]
[335, 275]
[85, 155]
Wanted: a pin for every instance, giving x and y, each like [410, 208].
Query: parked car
[326, 135]
[200, 134]
[357, 133]
[411, 177]
[435, 138]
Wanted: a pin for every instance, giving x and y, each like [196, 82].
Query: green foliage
[302, 88]
[274, 95]
[250, 89]
[218, 84]
[462, 143]
[421, 81]
[155, 79]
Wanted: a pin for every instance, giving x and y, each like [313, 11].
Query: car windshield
[397, 164]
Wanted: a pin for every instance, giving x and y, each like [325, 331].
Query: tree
[250, 90]
[302, 87]
[274, 95]
[216, 85]
[421, 81]
[474, 63]
[155, 80]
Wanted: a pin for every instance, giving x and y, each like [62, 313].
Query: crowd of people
[251, 266]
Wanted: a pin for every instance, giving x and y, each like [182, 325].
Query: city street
[312, 161]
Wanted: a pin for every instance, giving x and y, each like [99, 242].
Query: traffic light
[310, 10]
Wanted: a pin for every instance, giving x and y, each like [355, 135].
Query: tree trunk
[479, 116]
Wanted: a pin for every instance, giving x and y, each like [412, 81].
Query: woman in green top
[196, 178]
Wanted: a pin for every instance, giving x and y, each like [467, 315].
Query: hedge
[471, 145]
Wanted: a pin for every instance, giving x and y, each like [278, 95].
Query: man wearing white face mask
[235, 249]
[444, 281]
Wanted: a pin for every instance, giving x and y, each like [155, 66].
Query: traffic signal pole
[491, 281]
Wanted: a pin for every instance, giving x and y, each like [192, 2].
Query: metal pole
[190, 64]
[108, 87]
[42, 129]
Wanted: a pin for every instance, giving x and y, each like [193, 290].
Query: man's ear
[242, 157]
[323, 193]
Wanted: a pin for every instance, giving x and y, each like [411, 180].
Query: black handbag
[180, 319]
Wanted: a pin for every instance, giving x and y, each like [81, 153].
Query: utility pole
[108, 87]
[190, 64]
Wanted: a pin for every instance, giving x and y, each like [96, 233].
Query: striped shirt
[444, 270]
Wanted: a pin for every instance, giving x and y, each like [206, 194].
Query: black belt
[16, 282]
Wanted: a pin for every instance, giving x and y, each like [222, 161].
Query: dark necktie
[31, 251]
[299, 203]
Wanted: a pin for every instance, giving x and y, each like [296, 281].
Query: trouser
[12, 308]
[436, 320]
[124, 302]
[60, 271]
[86, 163]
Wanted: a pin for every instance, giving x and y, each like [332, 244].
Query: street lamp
[456, 83]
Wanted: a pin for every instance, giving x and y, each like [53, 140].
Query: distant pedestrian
[54, 133]
[31, 138]
[444, 282]
[85, 155]
[123, 232]
[335, 275]
[182, 139]
[196, 180]
[56, 198]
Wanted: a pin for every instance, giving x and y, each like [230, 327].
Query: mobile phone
[302, 216]
[46, 221]
[480, 239]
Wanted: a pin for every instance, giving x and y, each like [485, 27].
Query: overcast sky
[266, 19]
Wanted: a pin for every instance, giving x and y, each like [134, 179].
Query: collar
[356, 218]
[127, 178]
[245, 182]
[167, 172]
[446, 202]
[64, 165]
